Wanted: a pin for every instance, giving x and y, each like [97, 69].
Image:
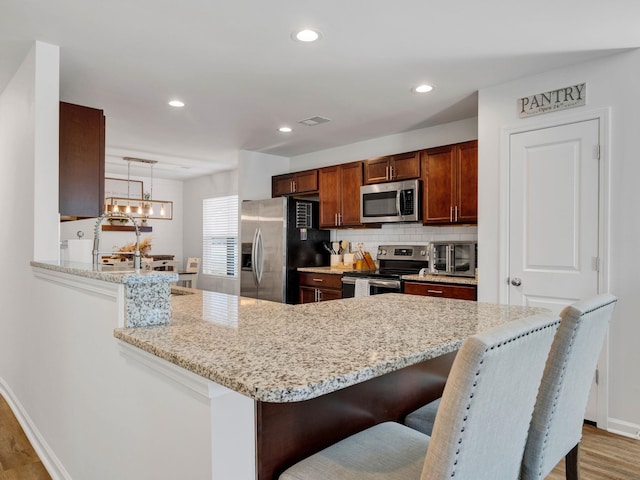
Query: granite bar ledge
[146, 294]
[282, 353]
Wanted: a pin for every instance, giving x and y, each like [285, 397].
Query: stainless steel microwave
[453, 258]
[390, 202]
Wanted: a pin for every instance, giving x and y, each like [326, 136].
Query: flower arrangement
[145, 248]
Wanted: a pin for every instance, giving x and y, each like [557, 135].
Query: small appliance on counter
[395, 261]
[453, 258]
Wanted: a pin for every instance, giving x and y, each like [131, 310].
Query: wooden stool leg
[571, 462]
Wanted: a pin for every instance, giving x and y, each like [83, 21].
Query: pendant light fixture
[145, 206]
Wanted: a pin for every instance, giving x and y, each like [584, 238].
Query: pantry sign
[552, 101]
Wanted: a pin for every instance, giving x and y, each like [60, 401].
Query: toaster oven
[453, 258]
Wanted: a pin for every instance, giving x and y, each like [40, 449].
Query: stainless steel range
[395, 261]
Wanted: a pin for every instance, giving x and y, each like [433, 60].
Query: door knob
[516, 282]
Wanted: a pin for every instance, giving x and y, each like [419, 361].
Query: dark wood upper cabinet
[292, 183]
[403, 166]
[376, 170]
[450, 180]
[339, 189]
[81, 162]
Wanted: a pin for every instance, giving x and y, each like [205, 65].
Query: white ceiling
[242, 76]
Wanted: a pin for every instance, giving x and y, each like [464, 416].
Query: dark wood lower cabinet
[427, 289]
[318, 287]
[289, 432]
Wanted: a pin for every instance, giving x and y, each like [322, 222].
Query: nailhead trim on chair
[464, 420]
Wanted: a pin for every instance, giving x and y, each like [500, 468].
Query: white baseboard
[47, 457]
[626, 429]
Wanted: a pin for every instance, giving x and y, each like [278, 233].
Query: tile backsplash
[403, 234]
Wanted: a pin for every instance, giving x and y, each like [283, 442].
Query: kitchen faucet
[96, 238]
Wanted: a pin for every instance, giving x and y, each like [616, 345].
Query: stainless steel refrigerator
[277, 236]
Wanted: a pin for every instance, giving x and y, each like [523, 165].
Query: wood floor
[604, 456]
[18, 460]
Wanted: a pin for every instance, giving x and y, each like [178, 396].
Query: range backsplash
[403, 234]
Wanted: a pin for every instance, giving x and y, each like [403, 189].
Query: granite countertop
[334, 270]
[275, 352]
[412, 278]
[441, 279]
[109, 273]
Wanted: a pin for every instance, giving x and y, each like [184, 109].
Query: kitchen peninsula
[281, 381]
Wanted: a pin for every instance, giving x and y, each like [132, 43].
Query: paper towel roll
[79, 250]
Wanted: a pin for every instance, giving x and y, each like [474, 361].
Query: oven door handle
[374, 282]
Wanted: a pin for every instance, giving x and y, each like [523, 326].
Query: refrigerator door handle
[254, 246]
[259, 256]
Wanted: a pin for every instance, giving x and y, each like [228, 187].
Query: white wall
[454, 132]
[167, 235]
[611, 82]
[255, 171]
[102, 415]
[250, 181]
[196, 190]
[27, 155]
[88, 412]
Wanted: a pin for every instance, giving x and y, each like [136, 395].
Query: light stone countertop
[107, 273]
[441, 279]
[413, 278]
[275, 352]
[333, 270]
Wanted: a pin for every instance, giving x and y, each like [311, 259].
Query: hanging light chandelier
[145, 207]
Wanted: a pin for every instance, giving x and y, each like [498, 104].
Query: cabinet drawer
[321, 280]
[461, 292]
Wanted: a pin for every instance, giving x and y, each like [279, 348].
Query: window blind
[220, 236]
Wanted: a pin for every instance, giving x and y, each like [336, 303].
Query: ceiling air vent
[313, 121]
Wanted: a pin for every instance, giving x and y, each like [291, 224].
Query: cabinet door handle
[456, 213]
[391, 175]
[294, 185]
[451, 214]
[317, 279]
[319, 295]
[335, 219]
[439, 292]
[339, 219]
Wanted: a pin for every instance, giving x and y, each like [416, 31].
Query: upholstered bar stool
[480, 430]
[556, 426]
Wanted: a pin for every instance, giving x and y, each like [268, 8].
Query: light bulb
[139, 209]
[128, 209]
[162, 211]
[150, 209]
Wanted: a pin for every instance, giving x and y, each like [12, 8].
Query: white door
[553, 217]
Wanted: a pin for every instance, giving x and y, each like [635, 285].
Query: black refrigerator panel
[304, 243]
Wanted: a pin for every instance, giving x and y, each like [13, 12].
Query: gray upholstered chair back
[556, 426]
[483, 420]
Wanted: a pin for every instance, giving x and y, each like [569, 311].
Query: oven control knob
[423, 253]
[382, 252]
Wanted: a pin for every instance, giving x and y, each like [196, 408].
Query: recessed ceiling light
[307, 35]
[424, 88]
[285, 129]
[176, 103]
